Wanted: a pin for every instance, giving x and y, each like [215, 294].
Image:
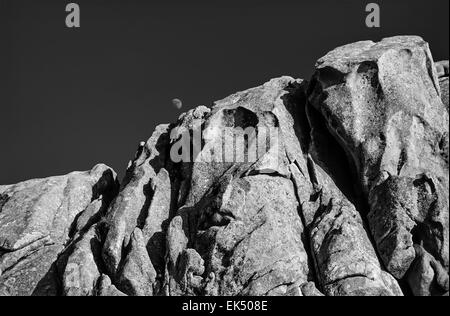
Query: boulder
[36, 223]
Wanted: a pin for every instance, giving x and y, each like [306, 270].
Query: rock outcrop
[41, 221]
[382, 103]
[333, 187]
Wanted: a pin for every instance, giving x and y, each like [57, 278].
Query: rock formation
[348, 196]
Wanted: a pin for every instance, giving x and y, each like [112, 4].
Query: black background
[70, 98]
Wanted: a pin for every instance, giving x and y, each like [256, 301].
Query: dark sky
[70, 98]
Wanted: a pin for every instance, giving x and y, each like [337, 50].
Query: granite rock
[336, 186]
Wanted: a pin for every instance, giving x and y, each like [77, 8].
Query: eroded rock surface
[37, 222]
[333, 187]
[382, 104]
[442, 68]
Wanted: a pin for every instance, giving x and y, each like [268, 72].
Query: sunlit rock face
[383, 103]
[40, 219]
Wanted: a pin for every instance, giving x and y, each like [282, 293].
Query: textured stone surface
[333, 187]
[345, 259]
[444, 91]
[382, 104]
[134, 198]
[81, 270]
[137, 275]
[239, 222]
[36, 222]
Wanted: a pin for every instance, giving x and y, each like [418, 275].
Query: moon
[177, 103]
